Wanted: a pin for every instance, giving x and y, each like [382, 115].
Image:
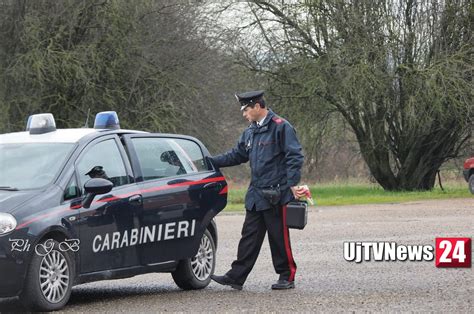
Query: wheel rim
[54, 276]
[203, 261]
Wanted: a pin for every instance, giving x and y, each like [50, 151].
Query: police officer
[274, 152]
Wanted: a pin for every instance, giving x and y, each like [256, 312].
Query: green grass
[360, 193]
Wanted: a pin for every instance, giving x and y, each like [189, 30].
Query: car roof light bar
[41, 123]
[107, 120]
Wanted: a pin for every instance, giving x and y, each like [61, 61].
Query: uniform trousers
[256, 225]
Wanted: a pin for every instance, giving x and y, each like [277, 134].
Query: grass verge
[360, 193]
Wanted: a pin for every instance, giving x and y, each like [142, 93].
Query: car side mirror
[95, 187]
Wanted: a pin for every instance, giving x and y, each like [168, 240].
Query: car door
[108, 228]
[181, 194]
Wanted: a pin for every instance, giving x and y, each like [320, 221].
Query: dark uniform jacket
[275, 159]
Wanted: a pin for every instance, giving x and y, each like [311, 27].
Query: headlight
[7, 223]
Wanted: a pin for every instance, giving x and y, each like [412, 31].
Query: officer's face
[252, 114]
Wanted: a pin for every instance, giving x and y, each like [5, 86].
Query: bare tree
[399, 73]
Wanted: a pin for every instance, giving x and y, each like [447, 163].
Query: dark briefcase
[296, 215]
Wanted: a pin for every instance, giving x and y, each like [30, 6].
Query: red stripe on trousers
[289, 254]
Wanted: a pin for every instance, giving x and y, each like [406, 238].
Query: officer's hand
[298, 191]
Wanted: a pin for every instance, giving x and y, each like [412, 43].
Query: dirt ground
[325, 281]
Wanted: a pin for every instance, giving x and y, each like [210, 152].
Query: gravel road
[324, 281]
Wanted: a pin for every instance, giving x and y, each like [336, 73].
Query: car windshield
[30, 165]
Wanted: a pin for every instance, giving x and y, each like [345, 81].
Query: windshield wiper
[8, 188]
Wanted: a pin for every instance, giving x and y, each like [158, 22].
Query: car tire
[471, 184]
[49, 279]
[195, 273]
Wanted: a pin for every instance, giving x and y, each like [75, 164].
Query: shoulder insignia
[278, 120]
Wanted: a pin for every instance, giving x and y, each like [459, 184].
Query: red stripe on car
[114, 198]
[225, 190]
[62, 209]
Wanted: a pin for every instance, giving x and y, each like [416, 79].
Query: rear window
[168, 157]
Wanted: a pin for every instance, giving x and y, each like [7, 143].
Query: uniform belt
[279, 185]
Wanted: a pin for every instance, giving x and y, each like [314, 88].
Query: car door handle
[211, 185]
[135, 199]
[177, 181]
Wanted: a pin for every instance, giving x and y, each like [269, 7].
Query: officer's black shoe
[226, 281]
[283, 284]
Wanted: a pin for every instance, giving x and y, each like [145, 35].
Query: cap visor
[243, 107]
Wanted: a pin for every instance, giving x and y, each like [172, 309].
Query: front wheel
[195, 273]
[471, 184]
[49, 279]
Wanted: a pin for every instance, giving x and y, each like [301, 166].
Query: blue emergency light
[41, 123]
[107, 120]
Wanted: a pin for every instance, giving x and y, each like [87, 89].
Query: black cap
[97, 171]
[249, 98]
[169, 157]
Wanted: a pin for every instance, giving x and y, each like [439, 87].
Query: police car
[468, 173]
[81, 205]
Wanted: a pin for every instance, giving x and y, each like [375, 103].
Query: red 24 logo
[453, 252]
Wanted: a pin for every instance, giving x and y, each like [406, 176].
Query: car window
[167, 157]
[72, 190]
[103, 160]
[193, 153]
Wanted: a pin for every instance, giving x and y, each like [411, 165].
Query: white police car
[80, 205]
